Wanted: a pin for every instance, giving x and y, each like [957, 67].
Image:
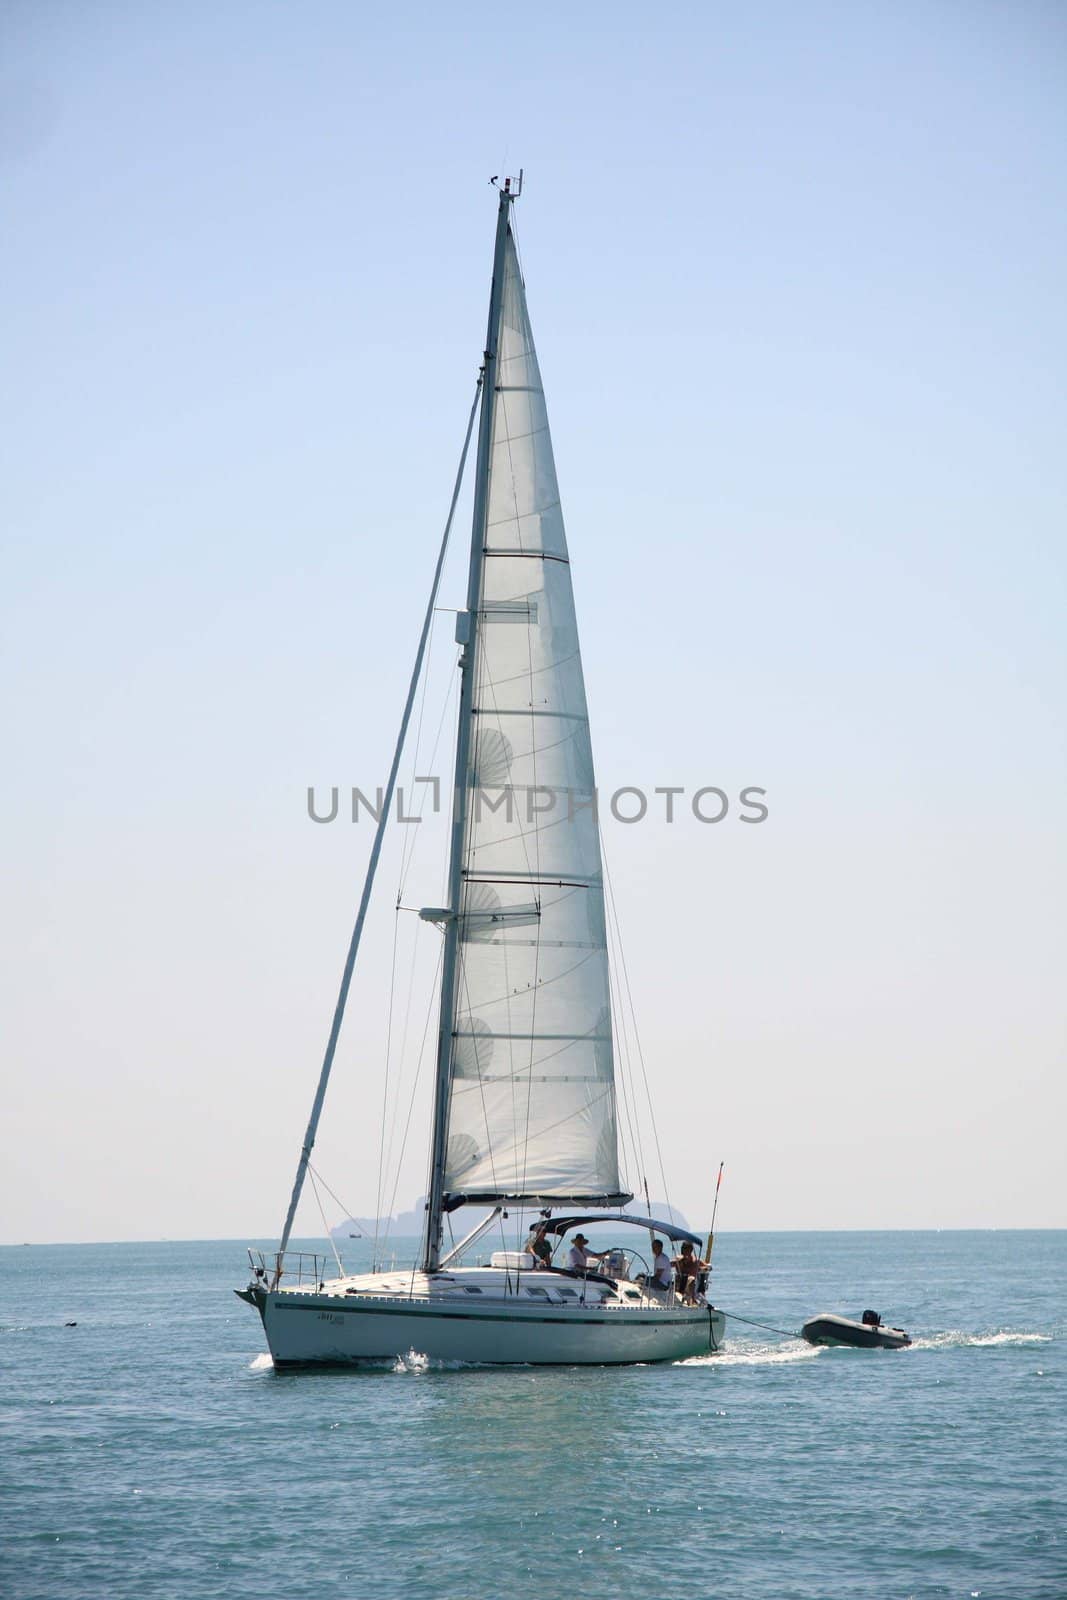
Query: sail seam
[566, 1043]
[527, 711]
[546, 827]
[536, 1077]
[547, 944]
[562, 1122]
[549, 666]
[517, 438]
[527, 555]
[468, 1033]
[534, 511]
[472, 875]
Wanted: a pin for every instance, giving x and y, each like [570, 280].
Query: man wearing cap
[580, 1255]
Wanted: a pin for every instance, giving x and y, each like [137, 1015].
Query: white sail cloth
[532, 1099]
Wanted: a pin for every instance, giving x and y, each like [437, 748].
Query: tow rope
[785, 1332]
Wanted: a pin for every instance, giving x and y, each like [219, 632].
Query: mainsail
[529, 1101]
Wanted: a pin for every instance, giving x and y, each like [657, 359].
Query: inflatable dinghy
[870, 1334]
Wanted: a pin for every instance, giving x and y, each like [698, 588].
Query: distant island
[409, 1224]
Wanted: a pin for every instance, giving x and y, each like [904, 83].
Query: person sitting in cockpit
[660, 1276]
[689, 1270]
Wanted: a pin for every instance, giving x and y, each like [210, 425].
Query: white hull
[363, 1320]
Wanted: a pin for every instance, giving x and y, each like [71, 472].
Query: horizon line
[242, 1240]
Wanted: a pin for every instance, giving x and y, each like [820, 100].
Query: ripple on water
[759, 1477]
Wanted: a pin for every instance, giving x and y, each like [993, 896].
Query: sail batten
[531, 1095]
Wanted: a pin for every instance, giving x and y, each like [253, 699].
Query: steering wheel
[638, 1263]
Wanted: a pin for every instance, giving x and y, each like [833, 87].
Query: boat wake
[760, 1355]
[957, 1339]
[262, 1363]
[414, 1363]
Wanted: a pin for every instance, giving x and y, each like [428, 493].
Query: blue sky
[796, 274]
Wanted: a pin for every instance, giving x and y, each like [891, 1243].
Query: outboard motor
[871, 1319]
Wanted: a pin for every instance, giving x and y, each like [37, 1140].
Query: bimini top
[670, 1230]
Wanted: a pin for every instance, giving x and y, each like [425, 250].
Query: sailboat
[524, 1110]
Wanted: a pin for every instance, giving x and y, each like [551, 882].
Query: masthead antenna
[512, 194]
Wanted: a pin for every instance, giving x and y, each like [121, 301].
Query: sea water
[152, 1451]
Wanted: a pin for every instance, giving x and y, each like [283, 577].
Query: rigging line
[397, 1098]
[625, 1073]
[335, 1198]
[518, 255]
[633, 1017]
[385, 1084]
[411, 1104]
[408, 846]
[376, 849]
[449, 692]
[636, 1043]
[407, 856]
[413, 964]
[446, 896]
[461, 980]
[627, 1149]
[628, 1078]
[412, 968]
[325, 1224]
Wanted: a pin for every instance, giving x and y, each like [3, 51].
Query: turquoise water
[151, 1451]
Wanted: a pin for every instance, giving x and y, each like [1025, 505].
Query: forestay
[532, 1097]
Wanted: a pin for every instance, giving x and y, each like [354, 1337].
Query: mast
[467, 635]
